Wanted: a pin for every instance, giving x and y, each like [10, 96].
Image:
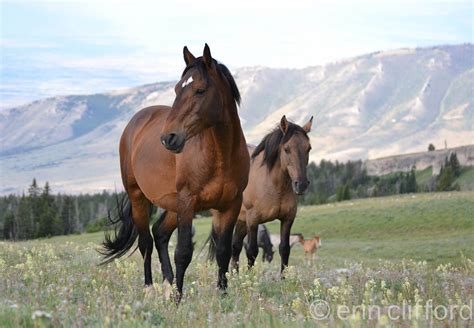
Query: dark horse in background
[264, 242]
[277, 176]
[185, 158]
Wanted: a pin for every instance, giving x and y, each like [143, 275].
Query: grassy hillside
[423, 177]
[374, 251]
[466, 179]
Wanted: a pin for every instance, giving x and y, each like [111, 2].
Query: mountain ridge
[369, 106]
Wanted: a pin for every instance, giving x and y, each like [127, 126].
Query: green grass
[374, 251]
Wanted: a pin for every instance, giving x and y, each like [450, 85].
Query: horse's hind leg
[237, 242]
[141, 218]
[162, 231]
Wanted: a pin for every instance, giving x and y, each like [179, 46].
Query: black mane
[221, 69]
[270, 145]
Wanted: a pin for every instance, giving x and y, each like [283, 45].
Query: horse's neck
[223, 142]
[226, 137]
[280, 179]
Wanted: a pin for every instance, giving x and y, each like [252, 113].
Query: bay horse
[264, 242]
[277, 176]
[185, 158]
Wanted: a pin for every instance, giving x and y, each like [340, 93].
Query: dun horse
[185, 158]
[277, 175]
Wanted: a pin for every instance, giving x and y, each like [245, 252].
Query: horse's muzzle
[173, 142]
[300, 186]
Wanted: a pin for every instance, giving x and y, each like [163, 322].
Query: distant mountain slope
[422, 160]
[370, 106]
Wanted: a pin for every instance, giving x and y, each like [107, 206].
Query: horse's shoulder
[145, 115]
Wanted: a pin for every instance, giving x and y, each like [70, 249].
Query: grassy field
[386, 251]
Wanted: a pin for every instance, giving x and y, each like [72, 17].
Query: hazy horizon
[62, 48]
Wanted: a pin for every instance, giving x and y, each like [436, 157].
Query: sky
[53, 48]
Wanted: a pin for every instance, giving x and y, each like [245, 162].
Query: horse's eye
[200, 91]
[287, 150]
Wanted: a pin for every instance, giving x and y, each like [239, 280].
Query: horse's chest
[280, 207]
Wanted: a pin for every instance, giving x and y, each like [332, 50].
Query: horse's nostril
[168, 139]
[171, 138]
[173, 141]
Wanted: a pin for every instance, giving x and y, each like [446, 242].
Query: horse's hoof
[167, 290]
[177, 298]
[148, 290]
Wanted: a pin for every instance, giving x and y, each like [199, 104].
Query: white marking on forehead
[188, 81]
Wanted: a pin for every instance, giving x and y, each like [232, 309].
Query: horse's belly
[270, 207]
[270, 213]
[217, 194]
[158, 187]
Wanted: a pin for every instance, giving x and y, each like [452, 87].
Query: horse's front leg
[284, 248]
[184, 249]
[223, 223]
[252, 236]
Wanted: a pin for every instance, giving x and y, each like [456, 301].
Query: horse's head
[268, 256]
[317, 239]
[294, 153]
[205, 89]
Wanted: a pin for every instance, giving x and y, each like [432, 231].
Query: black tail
[125, 232]
[211, 252]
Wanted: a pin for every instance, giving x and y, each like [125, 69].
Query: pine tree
[48, 218]
[9, 226]
[411, 185]
[34, 193]
[347, 192]
[67, 215]
[455, 165]
[402, 179]
[24, 217]
[340, 193]
[445, 179]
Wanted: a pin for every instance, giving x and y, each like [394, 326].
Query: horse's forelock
[270, 144]
[221, 69]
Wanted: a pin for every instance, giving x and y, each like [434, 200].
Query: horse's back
[136, 125]
[143, 117]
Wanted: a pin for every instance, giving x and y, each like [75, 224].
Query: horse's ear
[206, 55]
[284, 124]
[188, 56]
[307, 126]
